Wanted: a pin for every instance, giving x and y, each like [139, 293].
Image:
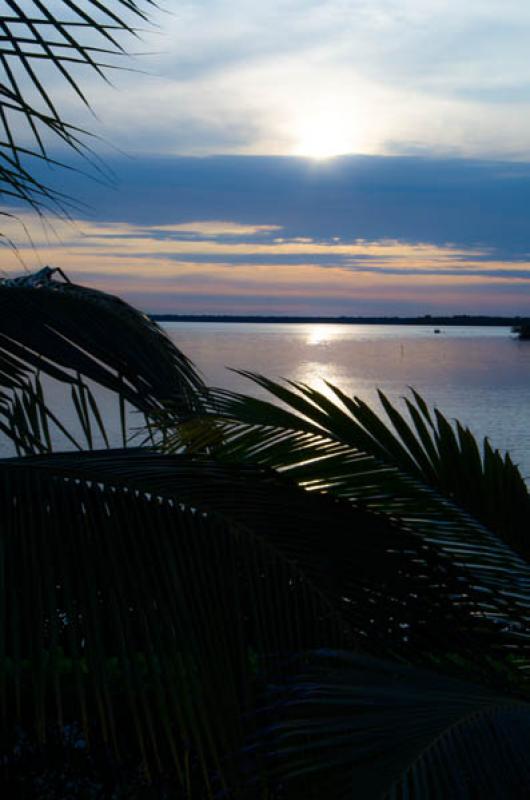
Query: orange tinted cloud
[228, 259]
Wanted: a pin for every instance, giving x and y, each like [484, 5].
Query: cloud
[376, 76]
[465, 203]
[347, 236]
[297, 240]
[214, 228]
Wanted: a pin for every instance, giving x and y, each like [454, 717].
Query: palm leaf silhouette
[149, 598]
[34, 37]
[354, 726]
[80, 336]
[429, 476]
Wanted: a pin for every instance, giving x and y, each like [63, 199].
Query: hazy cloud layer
[284, 77]
[365, 235]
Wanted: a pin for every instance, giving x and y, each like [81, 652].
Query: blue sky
[301, 157]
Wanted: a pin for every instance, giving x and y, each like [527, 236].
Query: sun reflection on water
[318, 374]
[321, 333]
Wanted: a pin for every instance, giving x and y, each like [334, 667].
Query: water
[478, 375]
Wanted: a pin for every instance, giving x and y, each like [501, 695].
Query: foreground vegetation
[276, 599]
[285, 599]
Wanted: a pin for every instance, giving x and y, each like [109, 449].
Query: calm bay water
[479, 375]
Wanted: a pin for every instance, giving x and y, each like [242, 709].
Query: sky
[296, 157]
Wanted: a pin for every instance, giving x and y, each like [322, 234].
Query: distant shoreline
[460, 320]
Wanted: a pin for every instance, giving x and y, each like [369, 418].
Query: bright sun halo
[321, 139]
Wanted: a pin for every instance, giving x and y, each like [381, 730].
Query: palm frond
[367, 578]
[140, 615]
[429, 476]
[148, 598]
[358, 727]
[426, 447]
[77, 335]
[34, 37]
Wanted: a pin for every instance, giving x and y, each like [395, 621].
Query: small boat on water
[437, 330]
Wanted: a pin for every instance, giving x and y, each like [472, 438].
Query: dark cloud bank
[463, 202]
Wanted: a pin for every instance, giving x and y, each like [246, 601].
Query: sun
[323, 137]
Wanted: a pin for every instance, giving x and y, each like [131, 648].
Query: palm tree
[67, 323]
[265, 600]
[467, 506]
[154, 600]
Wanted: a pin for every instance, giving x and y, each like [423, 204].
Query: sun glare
[320, 333]
[324, 137]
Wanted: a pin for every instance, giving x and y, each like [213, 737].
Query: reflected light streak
[316, 373]
[322, 334]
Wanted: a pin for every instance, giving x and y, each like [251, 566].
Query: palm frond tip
[423, 472]
[63, 330]
[34, 36]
